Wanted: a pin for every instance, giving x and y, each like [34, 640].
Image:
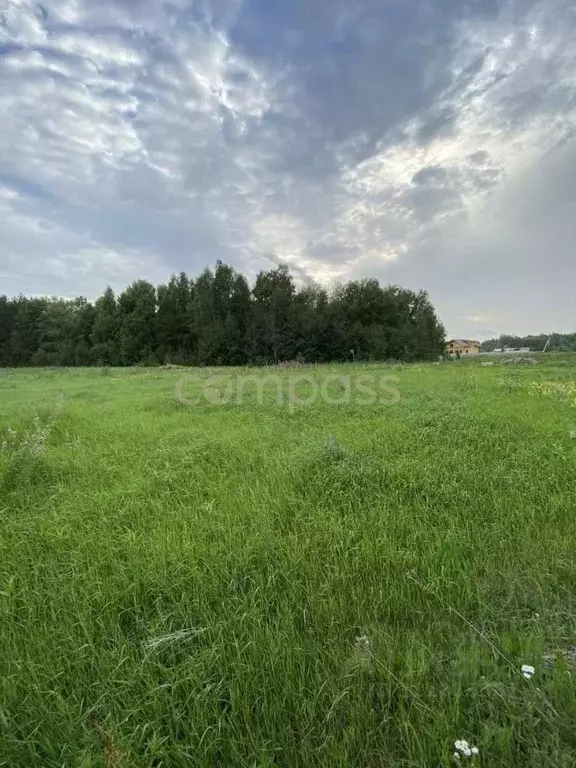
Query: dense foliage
[560, 342]
[217, 319]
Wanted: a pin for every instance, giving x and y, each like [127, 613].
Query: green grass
[442, 528]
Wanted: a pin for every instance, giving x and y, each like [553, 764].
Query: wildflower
[573, 434]
[463, 749]
[362, 643]
[528, 671]
[361, 657]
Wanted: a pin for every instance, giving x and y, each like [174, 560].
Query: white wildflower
[464, 749]
[361, 656]
[573, 434]
[528, 671]
[362, 643]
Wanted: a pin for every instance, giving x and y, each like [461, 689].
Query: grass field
[352, 582]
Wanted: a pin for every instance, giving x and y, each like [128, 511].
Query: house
[461, 347]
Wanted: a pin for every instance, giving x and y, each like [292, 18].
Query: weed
[561, 390]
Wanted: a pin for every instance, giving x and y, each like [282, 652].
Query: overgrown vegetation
[218, 320]
[257, 585]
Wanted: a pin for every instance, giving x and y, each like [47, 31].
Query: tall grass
[263, 585]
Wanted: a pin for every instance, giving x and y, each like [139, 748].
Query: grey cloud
[515, 264]
[339, 137]
[479, 158]
[437, 125]
[432, 174]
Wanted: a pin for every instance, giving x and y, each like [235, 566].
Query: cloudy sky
[428, 143]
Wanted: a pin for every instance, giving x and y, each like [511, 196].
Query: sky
[427, 143]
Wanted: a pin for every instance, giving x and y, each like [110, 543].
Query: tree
[427, 340]
[238, 321]
[204, 318]
[8, 310]
[173, 330]
[55, 340]
[558, 341]
[272, 335]
[218, 320]
[26, 330]
[137, 309]
[311, 324]
[83, 317]
[106, 330]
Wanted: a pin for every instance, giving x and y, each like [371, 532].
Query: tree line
[218, 319]
[559, 342]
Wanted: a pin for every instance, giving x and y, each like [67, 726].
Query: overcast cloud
[429, 143]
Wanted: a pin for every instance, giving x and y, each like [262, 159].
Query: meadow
[302, 574]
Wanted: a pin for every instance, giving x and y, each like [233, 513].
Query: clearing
[218, 578]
